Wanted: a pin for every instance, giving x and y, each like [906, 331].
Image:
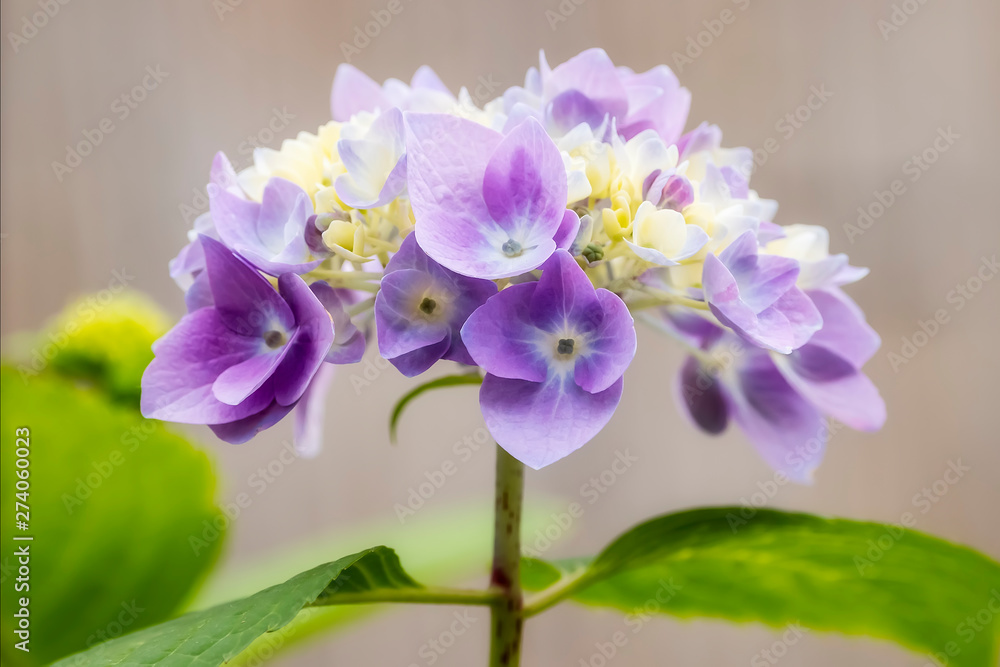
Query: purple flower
[785, 428]
[656, 101]
[486, 205]
[355, 92]
[241, 364]
[584, 89]
[827, 369]
[668, 190]
[420, 310]
[756, 296]
[555, 352]
[588, 88]
[271, 234]
[779, 400]
[376, 164]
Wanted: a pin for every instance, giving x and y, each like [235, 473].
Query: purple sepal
[755, 295]
[555, 352]
[420, 310]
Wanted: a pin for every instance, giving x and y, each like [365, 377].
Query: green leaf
[451, 544]
[446, 381]
[122, 514]
[777, 568]
[213, 636]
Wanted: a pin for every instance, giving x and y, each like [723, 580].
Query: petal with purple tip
[348, 340]
[235, 384]
[400, 328]
[756, 296]
[592, 74]
[835, 387]
[540, 423]
[177, 384]
[354, 92]
[787, 431]
[609, 350]
[503, 340]
[245, 300]
[844, 331]
[242, 430]
[308, 346]
[412, 364]
[568, 230]
[702, 398]
[656, 101]
[565, 298]
[446, 161]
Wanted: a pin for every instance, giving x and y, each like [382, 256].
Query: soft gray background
[121, 209]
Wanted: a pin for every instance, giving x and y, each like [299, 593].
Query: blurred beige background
[226, 75]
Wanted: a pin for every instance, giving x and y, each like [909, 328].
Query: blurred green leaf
[213, 636]
[778, 568]
[121, 511]
[439, 383]
[103, 339]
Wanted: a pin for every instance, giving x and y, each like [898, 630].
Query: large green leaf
[212, 636]
[451, 544]
[777, 568]
[114, 502]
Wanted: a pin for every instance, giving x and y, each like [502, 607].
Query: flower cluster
[518, 238]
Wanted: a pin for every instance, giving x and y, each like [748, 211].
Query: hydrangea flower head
[516, 238]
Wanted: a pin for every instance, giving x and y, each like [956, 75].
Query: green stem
[507, 619]
[554, 594]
